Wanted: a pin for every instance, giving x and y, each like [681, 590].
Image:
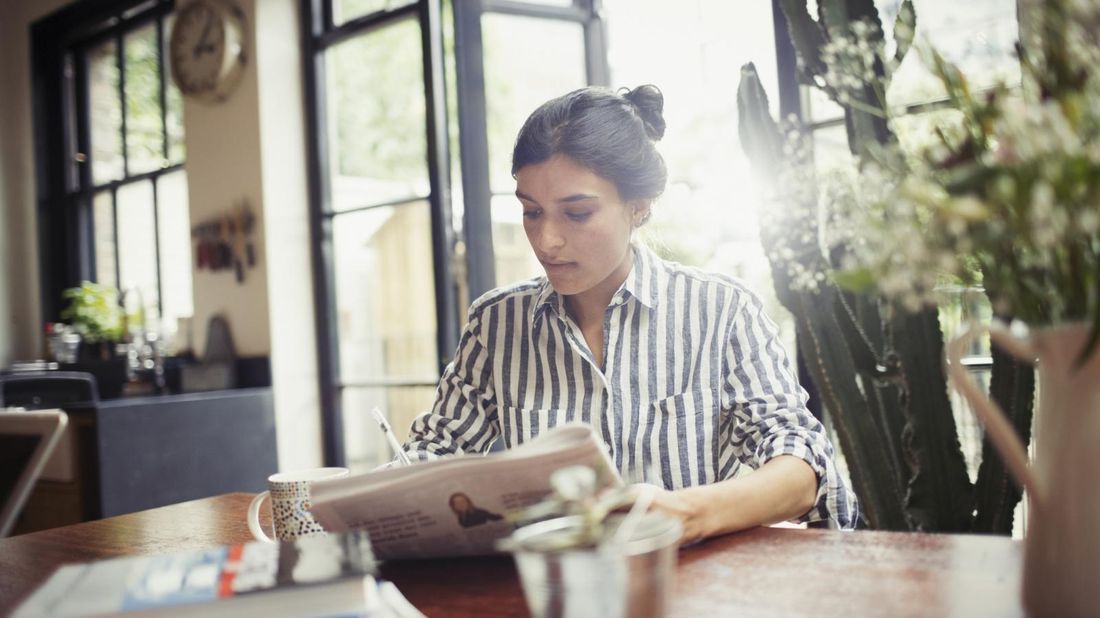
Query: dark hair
[609, 133]
[451, 500]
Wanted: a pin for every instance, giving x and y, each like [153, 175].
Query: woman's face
[578, 226]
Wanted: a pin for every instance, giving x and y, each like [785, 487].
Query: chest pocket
[682, 438]
[521, 424]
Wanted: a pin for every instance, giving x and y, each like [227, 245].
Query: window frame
[463, 265]
[64, 181]
[319, 33]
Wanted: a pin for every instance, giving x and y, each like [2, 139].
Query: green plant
[93, 312]
[878, 368]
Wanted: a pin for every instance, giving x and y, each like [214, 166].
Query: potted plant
[1007, 199]
[94, 313]
[876, 362]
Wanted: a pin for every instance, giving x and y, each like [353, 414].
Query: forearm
[462, 420]
[783, 488]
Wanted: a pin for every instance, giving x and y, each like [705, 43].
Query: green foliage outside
[376, 91]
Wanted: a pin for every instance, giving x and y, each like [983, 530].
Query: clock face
[206, 50]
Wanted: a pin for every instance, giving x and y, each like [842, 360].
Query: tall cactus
[886, 393]
[822, 342]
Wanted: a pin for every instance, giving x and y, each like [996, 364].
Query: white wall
[20, 326]
[252, 147]
[223, 167]
[286, 212]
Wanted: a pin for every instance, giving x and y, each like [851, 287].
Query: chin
[565, 286]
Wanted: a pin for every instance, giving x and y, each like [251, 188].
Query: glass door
[397, 260]
[381, 217]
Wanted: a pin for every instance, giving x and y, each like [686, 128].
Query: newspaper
[456, 506]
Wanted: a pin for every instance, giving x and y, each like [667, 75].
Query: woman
[679, 370]
[469, 515]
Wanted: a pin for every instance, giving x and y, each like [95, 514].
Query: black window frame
[320, 32]
[63, 179]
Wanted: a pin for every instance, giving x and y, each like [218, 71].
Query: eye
[579, 217]
[532, 213]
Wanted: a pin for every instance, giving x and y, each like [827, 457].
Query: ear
[641, 209]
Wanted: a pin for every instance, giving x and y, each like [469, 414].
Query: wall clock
[208, 49]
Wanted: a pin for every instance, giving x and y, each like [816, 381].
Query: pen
[394, 444]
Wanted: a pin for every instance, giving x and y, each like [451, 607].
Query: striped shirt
[695, 382]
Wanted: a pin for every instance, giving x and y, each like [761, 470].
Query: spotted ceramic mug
[290, 504]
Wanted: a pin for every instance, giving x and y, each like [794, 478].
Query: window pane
[527, 62]
[137, 252]
[385, 295]
[144, 133]
[365, 446]
[818, 106]
[515, 261]
[979, 36]
[173, 106]
[376, 118]
[105, 113]
[174, 232]
[830, 149]
[104, 239]
[347, 10]
[708, 214]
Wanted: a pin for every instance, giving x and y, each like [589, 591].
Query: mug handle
[1000, 431]
[254, 517]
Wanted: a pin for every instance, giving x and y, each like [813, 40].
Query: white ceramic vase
[1062, 547]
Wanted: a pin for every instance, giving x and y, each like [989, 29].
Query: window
[707, 216]
[132, 184]
[113, 191]
[389, 247]
[381, 217]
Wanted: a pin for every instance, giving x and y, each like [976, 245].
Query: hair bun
[650, 103]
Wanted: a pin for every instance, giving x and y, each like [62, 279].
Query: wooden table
[762, 572]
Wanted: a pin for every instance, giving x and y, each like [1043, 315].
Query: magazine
[315, 576]
[456, 506]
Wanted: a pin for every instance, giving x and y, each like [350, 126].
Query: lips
[556, 265]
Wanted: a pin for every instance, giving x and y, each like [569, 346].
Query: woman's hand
[783, 488]
[683, 505]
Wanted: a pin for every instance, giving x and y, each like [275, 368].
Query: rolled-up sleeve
[770, 415]
[464, 416]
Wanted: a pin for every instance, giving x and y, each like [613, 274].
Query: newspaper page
[456, 506]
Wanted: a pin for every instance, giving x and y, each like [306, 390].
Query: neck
[588, 307]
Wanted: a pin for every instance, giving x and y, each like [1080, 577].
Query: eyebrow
[569, 199]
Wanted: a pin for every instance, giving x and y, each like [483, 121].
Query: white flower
[1042, 200]
[1088, 221]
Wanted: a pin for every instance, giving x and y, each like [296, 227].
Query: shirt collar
[641, 283]
[547, 298]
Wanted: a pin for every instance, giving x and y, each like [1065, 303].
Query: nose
[546, 237]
